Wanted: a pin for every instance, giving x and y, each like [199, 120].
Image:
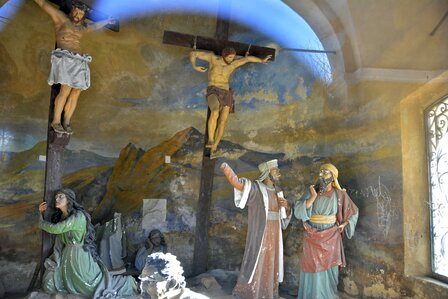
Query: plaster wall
[145, 102]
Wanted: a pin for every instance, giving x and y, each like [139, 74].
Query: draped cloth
[71, 269]
[70, 69]
[323, 250]
[262, 266]
[225, 97]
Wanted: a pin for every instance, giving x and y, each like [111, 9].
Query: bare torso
[219, 73]
[68, 36]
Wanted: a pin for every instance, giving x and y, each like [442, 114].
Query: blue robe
[323, 284]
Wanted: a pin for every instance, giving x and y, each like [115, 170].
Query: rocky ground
[215, 284]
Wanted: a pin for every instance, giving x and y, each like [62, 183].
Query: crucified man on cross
[69, 66]
[219, 95]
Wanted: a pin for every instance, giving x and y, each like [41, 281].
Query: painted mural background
[146, 102]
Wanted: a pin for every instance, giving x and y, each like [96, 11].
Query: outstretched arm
[98, 25]
[232, 177]
[207, 56]
[56, 15]
[244, 60]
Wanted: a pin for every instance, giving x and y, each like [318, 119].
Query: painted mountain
[150, 193]
[106, 185]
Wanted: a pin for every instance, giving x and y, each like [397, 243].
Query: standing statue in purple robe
[268, 213]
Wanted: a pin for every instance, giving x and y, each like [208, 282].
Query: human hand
[267, 58]
[313, 191]
[342, 226]
[283, 203]
[223, 166]
[42, 207]
[201, 69]
[111, 21]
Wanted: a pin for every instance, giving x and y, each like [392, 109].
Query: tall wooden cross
[200, 256]
[56, 143]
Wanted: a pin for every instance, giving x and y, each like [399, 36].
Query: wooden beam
[54, 169]
[215, 45]
[200, 255]
[56, 143]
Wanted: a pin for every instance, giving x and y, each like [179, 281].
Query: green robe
[323, 284]
[71, 269]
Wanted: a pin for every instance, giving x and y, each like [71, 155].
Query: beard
[276, 181]
[322, 184]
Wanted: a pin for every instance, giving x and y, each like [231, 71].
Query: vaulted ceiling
[385, 34]
[378, 34]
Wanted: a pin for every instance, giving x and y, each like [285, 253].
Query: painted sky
[8, 11]
[144, 91]
[271, 18]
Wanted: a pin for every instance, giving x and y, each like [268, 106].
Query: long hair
[228, 51]
[73, 208]
[162, 239]
[81, 6]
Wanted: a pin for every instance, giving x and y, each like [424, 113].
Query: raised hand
[42, 207]
[265, 60]
[231, 177]
[201, 69]
[313, 191]
[223, 166]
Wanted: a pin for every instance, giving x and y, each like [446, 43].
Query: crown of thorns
[80, 5]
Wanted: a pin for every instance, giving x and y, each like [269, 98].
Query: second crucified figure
[69, 67]
[219, 96]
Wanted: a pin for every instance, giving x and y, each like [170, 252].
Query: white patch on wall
[167, 159]
[301, 89]
[384, 208]
[187, 216]
[252, 133]
[178, 185]
[153, 214]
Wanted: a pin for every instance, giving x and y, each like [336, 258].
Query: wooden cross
[56, 143]
[200, 256]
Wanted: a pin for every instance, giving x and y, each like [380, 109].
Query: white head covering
[265, 168]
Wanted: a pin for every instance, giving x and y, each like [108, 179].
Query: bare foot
[68, 129]
[58, 128]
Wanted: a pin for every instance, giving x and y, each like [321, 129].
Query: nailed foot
[58, 128]
[68, 129]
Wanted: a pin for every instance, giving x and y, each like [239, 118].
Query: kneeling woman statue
[75, 267]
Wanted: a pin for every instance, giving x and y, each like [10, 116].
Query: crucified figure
[69, 66]
[219, 95]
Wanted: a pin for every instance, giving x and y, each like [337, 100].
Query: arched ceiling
[383, 38]
[371, 35]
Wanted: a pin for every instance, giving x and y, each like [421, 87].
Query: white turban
[265, 168]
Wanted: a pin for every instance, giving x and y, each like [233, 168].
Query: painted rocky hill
[23, 173]
[21, 191]
[153, 194]
[22, 185]
[138, 176]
